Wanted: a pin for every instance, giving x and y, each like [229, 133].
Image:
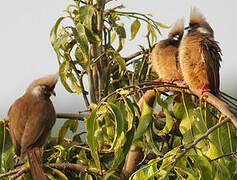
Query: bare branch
[71, 116]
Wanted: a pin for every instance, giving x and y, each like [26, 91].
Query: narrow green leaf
[121, 153]
[93, 37]
[79, 34]
[64, 68]
[69, 124]
[121, 62]
[119, 123]
[204, 166]
[134, 28]
[90, 136]
[53, 32]
[151, 30]
[144, 122]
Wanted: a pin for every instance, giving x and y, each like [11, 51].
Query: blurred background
[26, 52]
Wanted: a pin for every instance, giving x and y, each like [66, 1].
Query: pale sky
[26, 52]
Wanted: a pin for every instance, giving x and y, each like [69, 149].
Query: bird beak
[53, 93]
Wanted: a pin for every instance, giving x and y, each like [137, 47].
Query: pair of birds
[194, 58]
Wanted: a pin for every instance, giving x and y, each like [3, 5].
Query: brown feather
[199, 55]
[164, 55]
[31, 118]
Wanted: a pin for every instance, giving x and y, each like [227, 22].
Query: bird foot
[203, 90]
[183, 84]
[158, 80]
[173, 80]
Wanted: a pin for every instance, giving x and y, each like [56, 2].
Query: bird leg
[203, 90]
[173, 80]
[158, 80]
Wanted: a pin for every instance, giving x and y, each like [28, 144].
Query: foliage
[90, 44]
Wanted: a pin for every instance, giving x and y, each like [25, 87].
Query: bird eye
[176, 37]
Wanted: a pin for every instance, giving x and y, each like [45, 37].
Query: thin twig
[71, 116]
[192, 145]
[224, 155]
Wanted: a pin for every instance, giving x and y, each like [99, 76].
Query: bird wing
[17, 118]
[211, 53]
[41, 118]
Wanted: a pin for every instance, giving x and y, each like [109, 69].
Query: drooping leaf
[80, 36]
[119, 123]
[64, 68]
[144, 122]
[69, 124]
[204, 166]
[91, 128]
[134, 28]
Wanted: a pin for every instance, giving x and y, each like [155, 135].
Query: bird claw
[203, 90]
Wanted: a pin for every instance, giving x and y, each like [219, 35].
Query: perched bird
[31, 118]
[164, 56]
[200, 56]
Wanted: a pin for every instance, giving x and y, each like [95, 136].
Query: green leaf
[90, 136]
[144, 122]
[134, 28]
[79, 34]
[169, 120]
[122, 35]
[119, 123]
[93, 37]
[151, 30]
[121, 62]
[86, 14]
[56, 174]
[64, 68]
[112, 38]
[121, 152]
[162, 25]
[6, 149]
[74, 82]
[69, 124]
[204, 166]
[53, 32]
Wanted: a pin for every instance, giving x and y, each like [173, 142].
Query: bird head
[43, 87]
[177, 31]
[198, 23]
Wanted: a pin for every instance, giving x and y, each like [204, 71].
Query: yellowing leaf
[134, 28]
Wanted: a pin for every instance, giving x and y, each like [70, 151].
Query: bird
[164, 56]
[200, 56]
[31, 118]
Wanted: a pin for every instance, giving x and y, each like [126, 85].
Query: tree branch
[224, 155]
[71, 116]
[75, 167]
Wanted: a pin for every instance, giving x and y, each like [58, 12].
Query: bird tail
[34, 158]
[229, 100]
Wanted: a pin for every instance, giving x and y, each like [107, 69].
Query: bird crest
[178, 28]
[49, 81]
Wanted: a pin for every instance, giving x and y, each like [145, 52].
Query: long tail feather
[36, 169]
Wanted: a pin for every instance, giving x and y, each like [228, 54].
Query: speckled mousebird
[200, 56]
[164, 56]
[31, 118]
